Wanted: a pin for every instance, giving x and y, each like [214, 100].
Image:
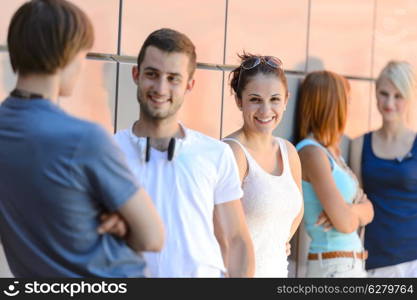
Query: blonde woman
[386, 162]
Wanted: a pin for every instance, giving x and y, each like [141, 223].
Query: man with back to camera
[58, 174]
[192, 178]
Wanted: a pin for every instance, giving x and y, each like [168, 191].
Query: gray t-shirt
[57, 175]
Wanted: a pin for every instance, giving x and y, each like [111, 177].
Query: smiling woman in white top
[269, 166]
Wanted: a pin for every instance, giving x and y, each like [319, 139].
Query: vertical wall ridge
[223, 72]
[372, 63]
[119, 42]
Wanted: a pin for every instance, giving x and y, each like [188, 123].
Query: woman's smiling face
[263, 103]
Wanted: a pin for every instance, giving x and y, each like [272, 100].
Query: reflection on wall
[395, 32]
[105, 18]
[8, 7]
[7, 77]
[274, 27]
[358, 121]
[341, 35]
[94, 96]
[202, 21]
[202, 106]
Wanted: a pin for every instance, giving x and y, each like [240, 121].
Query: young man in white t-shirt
[192, 178]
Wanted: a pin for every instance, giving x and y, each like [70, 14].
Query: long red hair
[323, 106]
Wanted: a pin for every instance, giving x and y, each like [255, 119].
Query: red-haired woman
[335, 206]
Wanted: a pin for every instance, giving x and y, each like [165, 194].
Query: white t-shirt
[202, 174]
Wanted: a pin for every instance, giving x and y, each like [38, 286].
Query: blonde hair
[402, 75]
[323, 106]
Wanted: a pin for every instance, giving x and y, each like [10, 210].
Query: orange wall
[352, 37]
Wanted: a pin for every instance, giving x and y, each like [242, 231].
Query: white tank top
[271, 203]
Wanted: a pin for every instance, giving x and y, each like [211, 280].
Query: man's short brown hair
[169, 40]
[45, 35]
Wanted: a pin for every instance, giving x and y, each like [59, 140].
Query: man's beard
[152, 114]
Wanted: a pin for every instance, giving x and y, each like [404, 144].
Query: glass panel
[94, 95]
[105, 18]
[359, 109]
[202, 21]
[395, 39]
[232, 116]
[8, 8]
[202, 107]
[303, 244]
[341, 36]
[127, 105]
[286, 128]
[277, 27]
[7, 77]
[395, 32]
[375, 117]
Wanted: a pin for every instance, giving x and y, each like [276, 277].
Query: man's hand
[113, 223]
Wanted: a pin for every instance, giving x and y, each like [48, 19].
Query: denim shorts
[336, 267]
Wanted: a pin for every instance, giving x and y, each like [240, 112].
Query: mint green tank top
[331, 240]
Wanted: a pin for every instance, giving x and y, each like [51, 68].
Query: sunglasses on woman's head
[254, 61]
